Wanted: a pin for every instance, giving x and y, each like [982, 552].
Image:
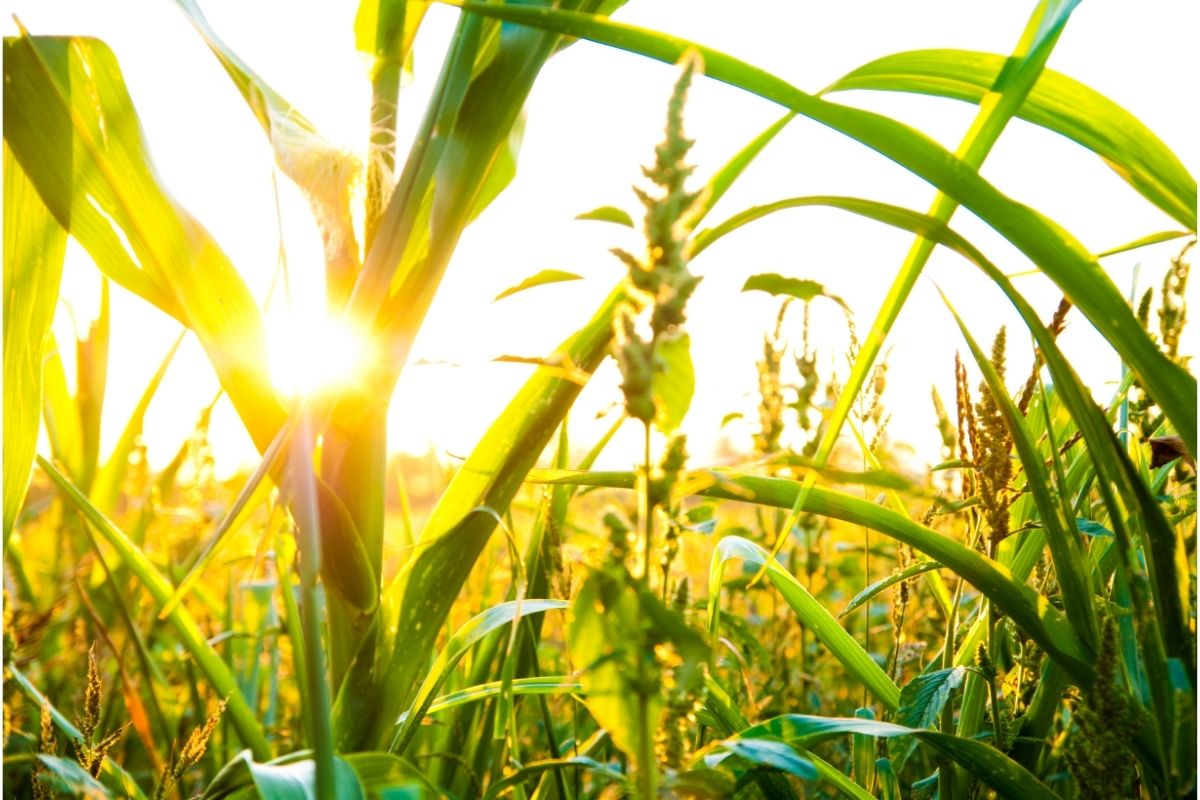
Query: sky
[592, 119]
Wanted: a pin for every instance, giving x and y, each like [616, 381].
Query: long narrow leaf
[193, 639]
[1058, 254]
[812, 615]
[1057, 103]
[34, 245]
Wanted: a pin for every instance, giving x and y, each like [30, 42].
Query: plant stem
[646, 769]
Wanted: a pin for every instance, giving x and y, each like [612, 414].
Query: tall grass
[1048, 651]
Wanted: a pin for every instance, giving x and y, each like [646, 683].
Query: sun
[310, 356]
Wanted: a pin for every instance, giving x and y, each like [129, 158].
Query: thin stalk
[646, 777]
[316, 700]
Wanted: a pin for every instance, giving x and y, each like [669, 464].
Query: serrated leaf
[608, 214]
[923, 698]
[674, 382]
[541, 279]
[799, 288]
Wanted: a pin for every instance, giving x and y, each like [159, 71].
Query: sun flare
[312, 356]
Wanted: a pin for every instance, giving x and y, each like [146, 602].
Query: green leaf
[863, 752]
[533, 685]
[1054, 250]
[923, 698]
[1066, 552]
[608, 214]
[858, 663]
[604, 640]
[66, 776]
[763, 753]
[455, 535]
[541, 279]
[1092, 528]
[244, 720]
[106, 488]
[462, 641]
[292, 777]
[723, 178]
[34, 245]
[1144, 241]
[111, 772]
[70, 90]
[909, 572]
[985, 762]
[538, 767]
[1032, 612]
[674, 382]
[1056, 102]
[776, 285]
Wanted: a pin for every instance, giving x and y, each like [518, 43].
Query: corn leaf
[244, 720]
[462, 641]
[1032, 612]
[110, 199]
[983, 761]
[1056, 102]
[34, 245]
[812, 615]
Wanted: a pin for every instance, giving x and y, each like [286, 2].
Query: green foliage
[1068, 546]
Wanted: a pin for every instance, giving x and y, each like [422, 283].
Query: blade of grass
[185, 626]
[857, 661]
[106, 488]
[34, 246]
[1055, 102]
[1070, 563]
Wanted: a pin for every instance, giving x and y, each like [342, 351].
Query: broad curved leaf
[70, 90]
[1056, 102]
[34, 246]
[982, 760]
[1058, 254]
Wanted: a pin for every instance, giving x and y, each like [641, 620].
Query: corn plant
[1059, 583]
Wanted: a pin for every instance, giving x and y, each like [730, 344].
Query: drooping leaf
[34, 246]
[763, 752]
[1029, 610]
[1054, 250]
[608, 214]
[1056, 102]
[292, 777]
[541, 279]
[776, 285]
[70, 90]
[982, 760]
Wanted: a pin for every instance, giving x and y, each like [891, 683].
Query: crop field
[637, 602]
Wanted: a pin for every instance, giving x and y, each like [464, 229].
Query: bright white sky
[593, 118]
